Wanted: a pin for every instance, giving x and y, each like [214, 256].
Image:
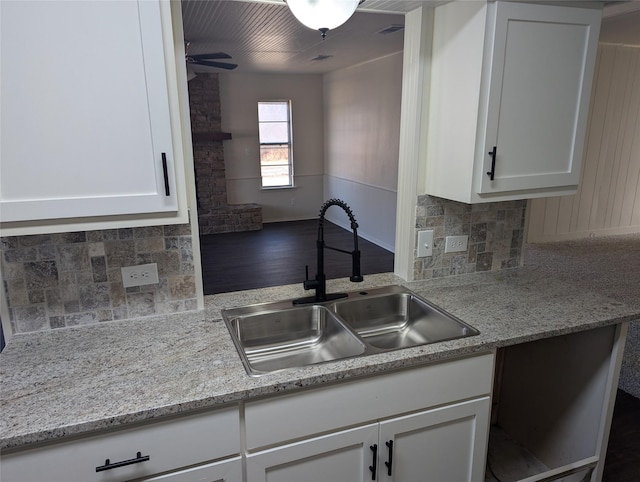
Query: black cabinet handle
[373, 468]
[108, 465]
[166, 175]
[389, 462]
[492, 172]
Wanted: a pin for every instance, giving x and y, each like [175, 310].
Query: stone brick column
[208, 156]
[214, 214]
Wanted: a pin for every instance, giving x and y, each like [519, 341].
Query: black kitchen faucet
[320, 281]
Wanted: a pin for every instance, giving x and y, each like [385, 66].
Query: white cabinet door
[447, 444]
[515, 77]
[85, 111]
[540, 86]
[222, 471]
[341, 456]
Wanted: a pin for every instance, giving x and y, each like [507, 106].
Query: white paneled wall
[608, 197]
[362, 136]
[374, 208]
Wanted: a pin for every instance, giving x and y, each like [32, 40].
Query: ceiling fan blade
[219, 65]
[216, 55]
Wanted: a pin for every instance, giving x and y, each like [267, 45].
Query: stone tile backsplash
[68, 279]
[495, 230]
[58, 280]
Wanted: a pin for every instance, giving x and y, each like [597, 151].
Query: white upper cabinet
[86, 111]
[509, 99]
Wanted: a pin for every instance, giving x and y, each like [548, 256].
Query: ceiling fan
[208, 60]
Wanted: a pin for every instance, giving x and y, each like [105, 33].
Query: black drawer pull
[108, 465]
[373, 468]
[389, 463]
[492, 172]
[166, 174]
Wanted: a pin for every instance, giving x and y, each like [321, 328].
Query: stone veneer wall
[208, 157]
[58, 280]
[495, 230]
[214, 214]
[230, 219]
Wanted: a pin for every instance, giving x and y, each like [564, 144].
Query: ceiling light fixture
[323, 15]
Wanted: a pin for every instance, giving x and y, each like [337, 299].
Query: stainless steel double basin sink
[275, 336]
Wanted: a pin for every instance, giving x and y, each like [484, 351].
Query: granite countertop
[79, 380]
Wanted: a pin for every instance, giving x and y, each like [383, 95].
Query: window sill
[278, 188]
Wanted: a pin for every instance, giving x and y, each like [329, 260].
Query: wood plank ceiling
[266, 37]
[263, 36]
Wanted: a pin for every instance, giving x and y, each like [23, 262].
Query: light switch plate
[425, 243]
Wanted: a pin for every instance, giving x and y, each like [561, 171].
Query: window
[276, 159]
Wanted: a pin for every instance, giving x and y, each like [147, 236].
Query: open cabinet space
[553, 402]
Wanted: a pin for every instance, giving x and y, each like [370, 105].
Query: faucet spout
[320, 281]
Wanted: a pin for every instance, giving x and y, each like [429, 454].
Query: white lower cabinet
[428, 423]
[138, 453]
[446, 444]
[553, 406]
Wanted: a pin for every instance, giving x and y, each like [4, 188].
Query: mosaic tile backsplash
[495, 230]
[68, 279]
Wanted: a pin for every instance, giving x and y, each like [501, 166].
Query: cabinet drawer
[346, 404]
[229, 470]
[170, 445]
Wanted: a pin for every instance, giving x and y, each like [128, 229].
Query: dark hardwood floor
[277, 255]
[623, 453]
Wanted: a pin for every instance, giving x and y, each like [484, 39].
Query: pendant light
[323, 15]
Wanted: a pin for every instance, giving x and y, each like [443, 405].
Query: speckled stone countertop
[79, 380]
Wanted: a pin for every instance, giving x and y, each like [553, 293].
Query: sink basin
[273, 339]
[275, 336]
[389, 321]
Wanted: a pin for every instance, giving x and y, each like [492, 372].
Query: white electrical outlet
[425, 243]
[454, 244]
[144, 274]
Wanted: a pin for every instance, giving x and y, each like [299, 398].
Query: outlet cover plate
[425, 243]
[141, 275]
[454, 244]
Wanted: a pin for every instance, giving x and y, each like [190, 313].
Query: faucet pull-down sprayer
[320, 281]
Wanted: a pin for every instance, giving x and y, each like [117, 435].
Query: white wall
[608, 197]
[239, 97]
[362, 132]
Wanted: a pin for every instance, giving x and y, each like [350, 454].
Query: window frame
[288, 144]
